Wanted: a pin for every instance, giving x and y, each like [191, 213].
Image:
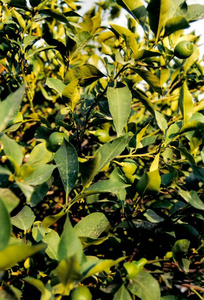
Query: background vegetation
[101, 176]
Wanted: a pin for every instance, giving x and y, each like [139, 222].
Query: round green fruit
[81, 293]
[129, 166]
[183, 49]
[102, 135]
[56, 140]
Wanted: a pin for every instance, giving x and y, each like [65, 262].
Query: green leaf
[81, 38]
[122, 294]
[52, 240]
[55, 84]
[92, 225]
[12, 150]
[174, 24]
[106, 186]
[161, 121]
[55, 14]
[71, 93]
[144, 286]
[192, 58]
[24, 219]
[151, 79]
[39, 193]
[191, 126]
[16, 253]
[136, 8]
[185, 103]
[141, 96]
[67, 160]
[68, 271]
[85, 74]
[32, 52]
[192, 198]
[195, 12]
[102, 157]
[172, 132]
[119, 101]
[40, 155]
[152, 216]
[9, 199]
[150, 182]
[49, 220]
[5, 226]
[26, 189]
[180, 249]
[69, 245]
[127, 35]
[158, 16]
[98, 266]
[40, 174]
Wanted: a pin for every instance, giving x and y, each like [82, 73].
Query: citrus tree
[101, 136]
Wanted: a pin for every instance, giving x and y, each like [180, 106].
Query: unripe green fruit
[81, 293]
[183, 49]
[56, 140]
[129, 166]
[102, 135]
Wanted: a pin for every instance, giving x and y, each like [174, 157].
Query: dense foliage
[102, 151]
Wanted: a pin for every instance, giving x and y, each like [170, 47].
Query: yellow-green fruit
[102, 135]
[129, 166]
[81, 293]
[56, 139]
[183, 49]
